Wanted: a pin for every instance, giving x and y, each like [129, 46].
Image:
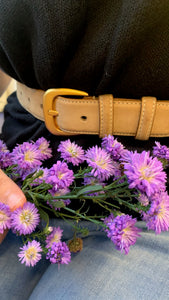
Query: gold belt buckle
[49, 104]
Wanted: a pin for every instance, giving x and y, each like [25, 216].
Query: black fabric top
[110, 46]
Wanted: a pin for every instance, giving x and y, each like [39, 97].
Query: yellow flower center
[28, 156]
[31, 253]
[126, 230]
[145, 174]
[55, 239]
[101, 163]
[26, 217]
[161, 211]
[72, 152]
[60, 175]
[3, 217]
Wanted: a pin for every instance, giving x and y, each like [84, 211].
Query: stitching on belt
[89, 132]
[142, 119]
[133, 133]
[111, 114]
[127, 103]
[101, 110]
[162, 104]
[124, 133]
[160, 134]
[76, 101]
[151, 119]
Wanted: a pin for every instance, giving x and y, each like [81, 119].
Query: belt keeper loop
[105, 115]
[147, 114]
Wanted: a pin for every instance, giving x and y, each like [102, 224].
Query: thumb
[11, 195]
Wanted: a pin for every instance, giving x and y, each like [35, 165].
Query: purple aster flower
[43, 146]
[27, 157]
[60, 176]
[43, 177]
[60, 192]
[157, 217]
[122, 231]
[99, 159]
[54, 236]
[127, 156]
[30, 253]
[89, 179]
[5, 160]
[143, 199]
[5, 156]
[113, 147]
[145, 173]
[71, 152]
[3, 147]
[59, 253]
[161, 151]
[5, 217]
[117, 171]
[25, 219]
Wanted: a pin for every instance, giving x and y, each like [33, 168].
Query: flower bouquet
[126, 185]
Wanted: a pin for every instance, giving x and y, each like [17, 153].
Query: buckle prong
[53, 113]
[49, 104]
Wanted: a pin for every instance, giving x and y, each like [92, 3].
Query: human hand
[10, 194]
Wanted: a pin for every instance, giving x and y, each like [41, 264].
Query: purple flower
[5, 217]
[27, 157]
[157, 217]
[91, 180]
[59, 253]
[161, 151]
[54, 236]
[122, 231]
[117, 171]
[145, 173]
[99, 159]
[5, 156]
[30, 253]
[42, 178]
[127, 156]
[3, 147]
[24, 220]
[60, 192]
[60, 176]
[113, 147]
[71, 152]
[143, 199]
[43, 146]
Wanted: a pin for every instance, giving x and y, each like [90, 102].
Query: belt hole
[29, 99]
[41, 106]
[84, 118]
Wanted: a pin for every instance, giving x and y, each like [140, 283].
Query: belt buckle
[49, 104]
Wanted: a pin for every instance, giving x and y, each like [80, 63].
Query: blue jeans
[98, 272]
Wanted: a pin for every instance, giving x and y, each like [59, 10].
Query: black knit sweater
[110, 46]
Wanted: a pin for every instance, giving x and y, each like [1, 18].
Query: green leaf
[57, 204]
[89, 189]
[44, 215]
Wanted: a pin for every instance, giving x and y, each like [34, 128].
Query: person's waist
[72, 112]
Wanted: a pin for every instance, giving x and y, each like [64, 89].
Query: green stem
[108, 203]
[105, 207]
[85, 217]
[65, 215]
[127, 204]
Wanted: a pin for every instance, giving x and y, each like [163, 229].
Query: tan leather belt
[101, 115]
